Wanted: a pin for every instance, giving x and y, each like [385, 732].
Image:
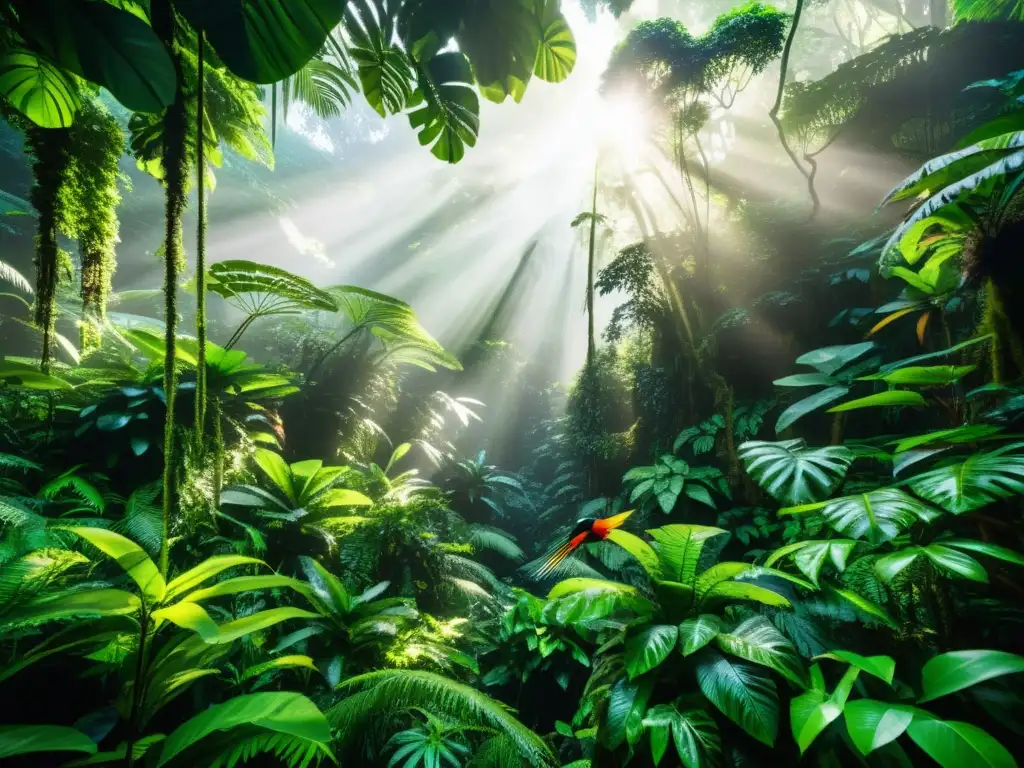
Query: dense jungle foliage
[775, 518]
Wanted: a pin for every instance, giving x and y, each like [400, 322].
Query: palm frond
[323, 86]
[374, 694]
[11, 275]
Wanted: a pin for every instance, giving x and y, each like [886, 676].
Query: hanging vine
[174, 161]
[51, 157]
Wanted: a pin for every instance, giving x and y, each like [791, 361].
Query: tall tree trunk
[200, 251]
[591, 342]
[175, 181]
[938, 10]
[773, 113]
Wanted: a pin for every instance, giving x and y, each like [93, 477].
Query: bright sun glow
[622, 128]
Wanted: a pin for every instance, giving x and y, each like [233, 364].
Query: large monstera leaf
[446, 107]
[975, 482]
[264, 41]
[41, 91]
[105, 45]
[877, 516]
[793, 473]
[385, 70]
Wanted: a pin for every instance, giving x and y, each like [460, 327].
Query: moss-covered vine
[92, 197]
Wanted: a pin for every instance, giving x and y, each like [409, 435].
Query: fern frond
[497, 752]
[291, 751]
[374, 694]
[143, 519]
[496, 540]
[76, 486]
[10, 461]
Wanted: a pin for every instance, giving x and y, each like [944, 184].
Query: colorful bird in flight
[587, 529]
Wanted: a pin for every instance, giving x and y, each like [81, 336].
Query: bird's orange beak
[603, 527]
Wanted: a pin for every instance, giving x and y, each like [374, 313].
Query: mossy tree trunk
[200, 415]
[175, 168]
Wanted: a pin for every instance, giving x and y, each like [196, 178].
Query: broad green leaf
[864, 605]
[344, 497]
[130, 556]
[264, 41]
[975, 482]
[207, 569]
[699, 493]
[808, 405]
[877, 516]
[891, 398]
[814, 710]
[17, 374]
[934, 355]
[626, 706]
[804, 380]
[873, 724]
[41, 91]
[679, 548]
[965, 434]
[793, 473]
[572, 586]
[738, 590]
[955, 745]
[639, 549]
[984, 548]
[190, 616]
[694, 634]
[446, 108]
[245, 584]
[923, 375]
[809, 556]
[233, 630]
[26, 739]
[828, 360]
[66, 605]
[741, 692]
[556, 53]
[882, 667]
[693, 732]
[647, 649]
[278, 471]
[286, 713]
[281, 662]
[756, 639]
[249, 284]
[951, 672]
[326, 586]
[385, 69]
[106, 45]
[583, 600]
